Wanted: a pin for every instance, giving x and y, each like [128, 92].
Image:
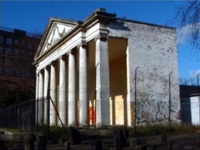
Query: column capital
[82, 44]
[37, 71]
[37, 74]
[103, 35]
[73, 51]
[63, 57]
[41, 71]
[47, 66]
[53, 62]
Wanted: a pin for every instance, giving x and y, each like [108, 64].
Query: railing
[23, 116]
[19, 116]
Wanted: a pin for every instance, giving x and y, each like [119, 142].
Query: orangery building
[106, 71]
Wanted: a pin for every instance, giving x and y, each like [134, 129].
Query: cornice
[99, 16]
[59, 43]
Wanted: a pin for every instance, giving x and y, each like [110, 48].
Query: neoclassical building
[96, 71]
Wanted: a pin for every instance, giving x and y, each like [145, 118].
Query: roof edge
[147, 23]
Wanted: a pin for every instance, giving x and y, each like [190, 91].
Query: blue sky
[33, 16]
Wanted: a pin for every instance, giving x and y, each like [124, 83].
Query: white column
[62, 102]
[102, 81]
[52, 93]
[41, 99]
[71, 90]
[36, 97]
[130, 103]
[83, 85]
[46, 82]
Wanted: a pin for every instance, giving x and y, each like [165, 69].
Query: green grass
[57, 132]
[157, 129]
[11, 130]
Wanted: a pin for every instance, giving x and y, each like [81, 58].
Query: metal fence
[23, 116]
[20, 116]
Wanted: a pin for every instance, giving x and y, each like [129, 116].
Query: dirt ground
[173, 142]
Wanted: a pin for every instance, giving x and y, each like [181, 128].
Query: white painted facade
[88, 69]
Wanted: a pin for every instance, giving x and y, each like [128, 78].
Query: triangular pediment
[56, 29]
[57, 32]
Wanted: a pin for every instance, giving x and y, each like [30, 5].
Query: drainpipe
[169, 96]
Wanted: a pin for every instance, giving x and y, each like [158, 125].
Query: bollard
[197, 141]
[3, 148]
[42, 142]
[74, 136]
[141, 147]
[118, 143]
[2, 132]
[35, 145]
[134, 142]
[151, 147]
[125, 136]
[97, 144]
[126, 133]
[137, 147]
[119, 139]
[29, 142]
[67, 145]
[164, 138]
[1, 142]
[113, 148]
[170, 146]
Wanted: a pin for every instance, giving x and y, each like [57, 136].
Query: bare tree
[191, 81]
[27, 81]
[188, 16]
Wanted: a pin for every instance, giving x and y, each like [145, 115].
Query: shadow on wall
[118, 25]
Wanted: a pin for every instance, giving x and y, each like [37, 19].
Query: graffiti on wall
[149, 110]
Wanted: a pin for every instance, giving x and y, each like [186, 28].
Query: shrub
[177, 128]
[57, 132]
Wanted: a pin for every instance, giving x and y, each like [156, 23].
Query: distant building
[190, 104]
[107, 71]
[17, 49]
